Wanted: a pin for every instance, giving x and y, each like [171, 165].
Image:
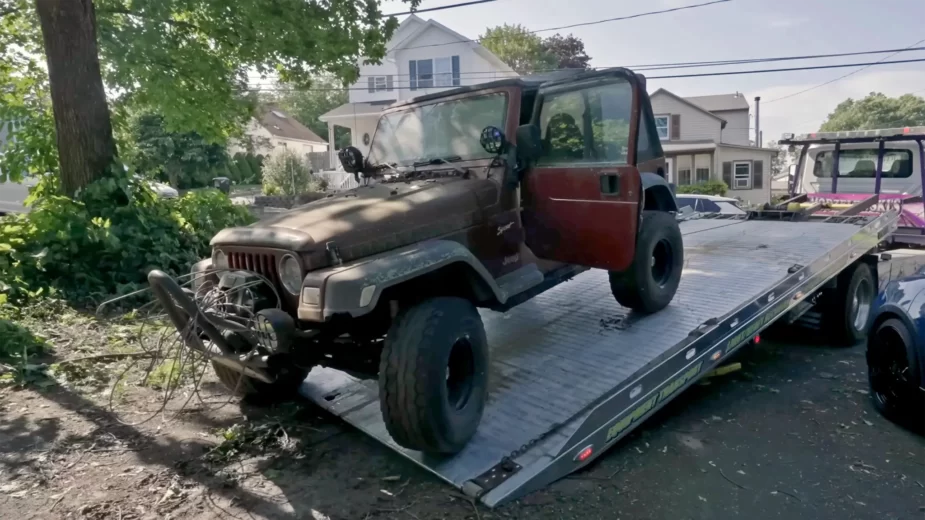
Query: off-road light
[219, 259]
[290, 274]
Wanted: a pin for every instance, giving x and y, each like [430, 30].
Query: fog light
[275, 330]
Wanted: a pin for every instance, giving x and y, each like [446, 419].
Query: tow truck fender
[354, 289]
[658, 194]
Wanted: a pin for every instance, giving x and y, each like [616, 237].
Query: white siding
[695, 124]
[360, 126]
[737, 123]
[473, 68]
[727, 154]
[360, 93]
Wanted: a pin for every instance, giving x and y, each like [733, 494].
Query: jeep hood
[372, 218]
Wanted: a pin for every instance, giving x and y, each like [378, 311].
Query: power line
[674, 76]
[440, 8]
[681, 65]
[788, 96]
[582, 24]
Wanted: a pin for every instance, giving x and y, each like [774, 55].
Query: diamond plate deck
[558, 353]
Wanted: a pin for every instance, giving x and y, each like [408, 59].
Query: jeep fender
[355, 288]
[657, 193]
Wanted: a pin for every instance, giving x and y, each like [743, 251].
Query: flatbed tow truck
[573, 372]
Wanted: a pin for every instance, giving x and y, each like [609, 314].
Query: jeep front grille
[262, 264]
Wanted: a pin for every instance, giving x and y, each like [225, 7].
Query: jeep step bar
[573, 372]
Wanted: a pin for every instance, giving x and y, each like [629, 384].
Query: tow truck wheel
[433, 375]
[892, 374]
[652, 280]
[848, 311]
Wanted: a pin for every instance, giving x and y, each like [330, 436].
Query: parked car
[896, 351]
[710, 204]
[13, 194]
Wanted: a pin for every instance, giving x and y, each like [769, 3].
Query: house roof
[281, 124]
[348, 110]
[687, 101]
[720, 102]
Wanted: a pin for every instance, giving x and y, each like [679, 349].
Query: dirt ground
[791, 435]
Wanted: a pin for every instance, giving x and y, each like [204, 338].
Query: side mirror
[351, 158]
[529, 142]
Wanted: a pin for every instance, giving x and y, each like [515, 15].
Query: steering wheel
[492, 140]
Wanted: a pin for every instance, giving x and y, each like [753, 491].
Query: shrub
[106, 240]
[705, 188]
[244, 166]
[256, 166]
[286, 174]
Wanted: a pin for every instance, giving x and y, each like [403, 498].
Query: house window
[379, 83]
[437, 72]
[443, 72]
[684, 177]
[742, 175]
[662, 126]
[703, 175]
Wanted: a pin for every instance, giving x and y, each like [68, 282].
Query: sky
[739, 29]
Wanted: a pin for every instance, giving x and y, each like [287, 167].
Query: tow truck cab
[839, 169]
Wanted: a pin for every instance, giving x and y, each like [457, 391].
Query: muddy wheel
[652, 280]
[848, 311]
[433, 375]
[892, 375]
[288, 378]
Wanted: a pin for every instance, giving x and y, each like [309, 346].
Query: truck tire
[848, 308]
[433, 375]
[893, 376]
[240, 385]
[650, 283]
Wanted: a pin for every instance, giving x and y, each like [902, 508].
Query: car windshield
[447, 130]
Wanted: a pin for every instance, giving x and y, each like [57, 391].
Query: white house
[707, 137]
[422, 57]
[274, 130]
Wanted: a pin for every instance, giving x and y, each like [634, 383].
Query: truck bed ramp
[573, 372]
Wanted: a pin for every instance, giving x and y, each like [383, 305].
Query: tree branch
[168, 21]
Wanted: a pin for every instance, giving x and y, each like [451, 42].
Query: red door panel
[573, 216]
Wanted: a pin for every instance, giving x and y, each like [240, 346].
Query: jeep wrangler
[385, 280]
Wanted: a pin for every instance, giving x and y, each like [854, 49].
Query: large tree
[568, 51]
[521, 49]
[876, 111]
[188, 61]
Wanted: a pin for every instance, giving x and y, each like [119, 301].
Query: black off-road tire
[847, 309]
[433, 375]
[898, 398]
[650, 283]
[285, 387]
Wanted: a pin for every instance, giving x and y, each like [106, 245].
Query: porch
[359, 118]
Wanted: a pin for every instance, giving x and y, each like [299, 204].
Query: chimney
[758, 121]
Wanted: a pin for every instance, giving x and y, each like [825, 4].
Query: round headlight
[290, 274]
[219, 260]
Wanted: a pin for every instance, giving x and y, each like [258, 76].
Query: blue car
[896, 351]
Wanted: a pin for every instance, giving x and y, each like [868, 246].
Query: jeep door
[581, 197]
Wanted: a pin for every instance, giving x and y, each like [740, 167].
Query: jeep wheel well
[659, 198]
[455, 279]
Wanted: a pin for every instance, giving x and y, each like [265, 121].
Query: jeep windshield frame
[440, 128]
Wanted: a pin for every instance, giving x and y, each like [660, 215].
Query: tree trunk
[84, 131]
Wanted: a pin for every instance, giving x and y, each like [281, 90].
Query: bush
[256, 167]
[705, 188]
[106, 240]
[247, 175]
[286, 174]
